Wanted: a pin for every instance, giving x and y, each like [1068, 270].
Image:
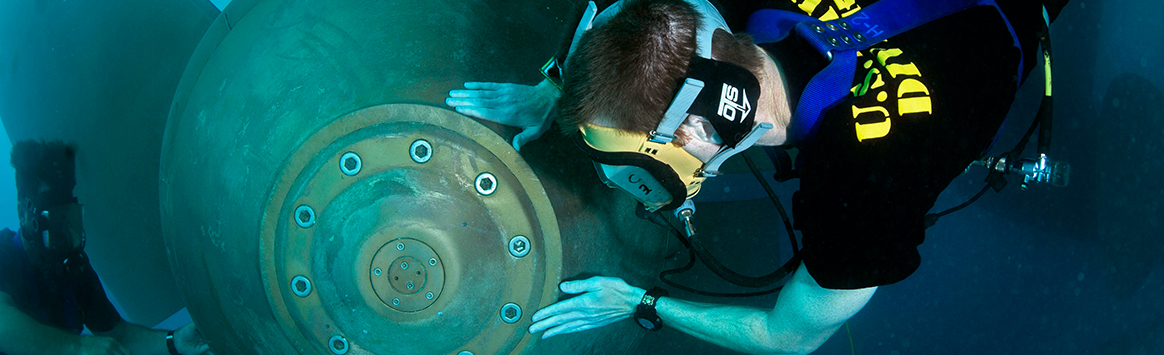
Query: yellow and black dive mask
[656, 172]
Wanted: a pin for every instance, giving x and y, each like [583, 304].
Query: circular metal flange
[432, 229]
[350, 164]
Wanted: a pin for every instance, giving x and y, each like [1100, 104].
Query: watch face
[646, 323]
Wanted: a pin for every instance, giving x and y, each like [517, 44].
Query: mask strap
[677, 113]
[584, 25]
[712, 167]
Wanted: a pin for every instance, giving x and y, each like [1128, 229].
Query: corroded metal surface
[277, 95]
[440, 244]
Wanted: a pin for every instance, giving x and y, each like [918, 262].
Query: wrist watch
[645, 314]
[170, 344]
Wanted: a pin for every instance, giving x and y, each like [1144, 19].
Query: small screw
[350, 164]
[410, 285]
[395, 301]
[486, 184]
[338, 345]
[432, 261]
[304, 216]
[399, 246]
[377, 272]
[510, 313]
[420, 151]
[519, 246]
[301, 286]
[428, 295]
[404, 265]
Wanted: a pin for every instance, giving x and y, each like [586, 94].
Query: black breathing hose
[696, 249]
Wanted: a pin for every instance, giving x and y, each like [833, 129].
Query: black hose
[696, 249]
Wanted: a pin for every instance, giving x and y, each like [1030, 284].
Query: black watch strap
[170, 344]
[645, 314]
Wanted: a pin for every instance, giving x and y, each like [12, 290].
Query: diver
[48, 291]
[886, 101]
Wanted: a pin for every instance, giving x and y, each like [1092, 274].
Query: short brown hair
[630, 68]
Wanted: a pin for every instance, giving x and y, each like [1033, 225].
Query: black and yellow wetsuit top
[923, 105]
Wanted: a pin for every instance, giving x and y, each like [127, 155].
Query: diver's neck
[774, 104]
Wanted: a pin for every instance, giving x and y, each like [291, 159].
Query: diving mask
[659, 174]
[57, 237]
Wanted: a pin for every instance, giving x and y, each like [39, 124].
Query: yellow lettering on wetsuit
[912, 96]
[882, 74]
[831, 10]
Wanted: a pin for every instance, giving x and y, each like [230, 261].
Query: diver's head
[653, 82]
[50, 219]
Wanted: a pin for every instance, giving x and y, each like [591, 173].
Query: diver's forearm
[743, 329]
[140, 340]
[22, 335]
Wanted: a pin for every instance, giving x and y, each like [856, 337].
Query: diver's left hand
[604, 300]
[527, 107]
[189, 341]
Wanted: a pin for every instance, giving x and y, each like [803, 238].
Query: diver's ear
[700, 128]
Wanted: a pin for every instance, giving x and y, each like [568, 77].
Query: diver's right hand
[95, 345]
[523, 106]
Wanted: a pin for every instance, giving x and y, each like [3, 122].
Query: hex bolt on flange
[350, 164]
[301, 286]
[304, 216]
[519, 246]
[486, 184]
[377, 272]
[428, 295]
[420, 151]
[395, 301]
[432, 262]
[510, 313]
[338, 345]
[399, 246]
